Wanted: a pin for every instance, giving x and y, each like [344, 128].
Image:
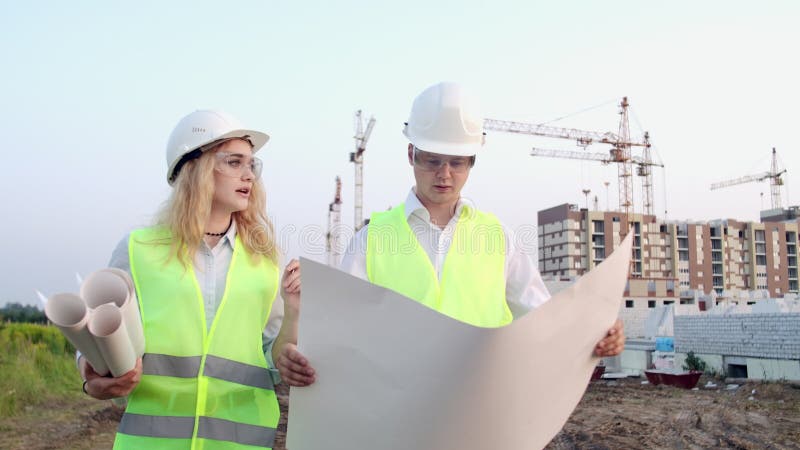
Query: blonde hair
[187, 210]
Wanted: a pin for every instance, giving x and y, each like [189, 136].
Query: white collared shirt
[525, 289]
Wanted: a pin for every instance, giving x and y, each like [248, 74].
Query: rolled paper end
[105, 320]
[104, 286]
[124, 275]
[69, 313]
[133, 320]
[66, 310]
[108, 328]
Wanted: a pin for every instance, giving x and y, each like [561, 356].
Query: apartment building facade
[674, 259]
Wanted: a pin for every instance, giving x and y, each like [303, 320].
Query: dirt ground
[628, 414]
[612, 415]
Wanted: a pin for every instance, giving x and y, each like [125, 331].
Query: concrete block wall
[757, 368]
[635, 361]
[637, 357]
[634, 319]
[766, 336]
[643, 321]
[773, 369]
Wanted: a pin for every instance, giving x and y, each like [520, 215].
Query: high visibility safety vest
[472, 287]
[200, 389]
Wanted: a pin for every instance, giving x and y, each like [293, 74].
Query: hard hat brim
[444, 148]
[256, 138]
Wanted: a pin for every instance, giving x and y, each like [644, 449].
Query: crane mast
[357, 158]
[775, 181]
[774, 177]
[624, 164]
[644, 171]
[334, 221]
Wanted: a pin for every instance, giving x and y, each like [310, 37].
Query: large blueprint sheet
[394, 374]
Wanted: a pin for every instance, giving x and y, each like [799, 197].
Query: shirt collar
[230, 235]
[228, 239]
[414, 206]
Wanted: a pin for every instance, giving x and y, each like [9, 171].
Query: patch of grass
[37, 364]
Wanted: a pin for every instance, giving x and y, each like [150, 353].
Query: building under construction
[693, 277]
[674, 260]
[671, 261]
[679, 259]
[687, 278]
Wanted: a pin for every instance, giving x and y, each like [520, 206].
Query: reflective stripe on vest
[172, 427]
[216, 367]
[472, 285]
[200, 385]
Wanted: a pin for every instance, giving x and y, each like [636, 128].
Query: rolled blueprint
[69, 313]
[130, 312]
[113, 285]
[104, 286]
[107, 326]
[124, 275]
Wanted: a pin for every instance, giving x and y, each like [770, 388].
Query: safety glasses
[431, 162]
[236, 165]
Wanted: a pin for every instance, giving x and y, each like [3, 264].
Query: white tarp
[394, 374]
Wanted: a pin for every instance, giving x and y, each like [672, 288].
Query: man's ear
[411, 154]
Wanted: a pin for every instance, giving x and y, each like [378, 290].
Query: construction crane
[774, 177]
[643, 164]
[611, 157]
[621, 151]
[334, 221]
[643, 170]
[586, 193]
[361, 137]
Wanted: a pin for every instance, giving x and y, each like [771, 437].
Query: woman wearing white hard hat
[206, 276]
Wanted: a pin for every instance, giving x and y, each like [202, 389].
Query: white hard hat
[445, 119]
[193, 134]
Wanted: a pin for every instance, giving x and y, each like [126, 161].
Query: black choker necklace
[220, 234]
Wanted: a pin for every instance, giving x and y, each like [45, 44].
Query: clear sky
[91, 90]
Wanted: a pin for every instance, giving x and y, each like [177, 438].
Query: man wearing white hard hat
[435, 247]
[207, 278]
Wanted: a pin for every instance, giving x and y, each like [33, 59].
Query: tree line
[17, 312]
